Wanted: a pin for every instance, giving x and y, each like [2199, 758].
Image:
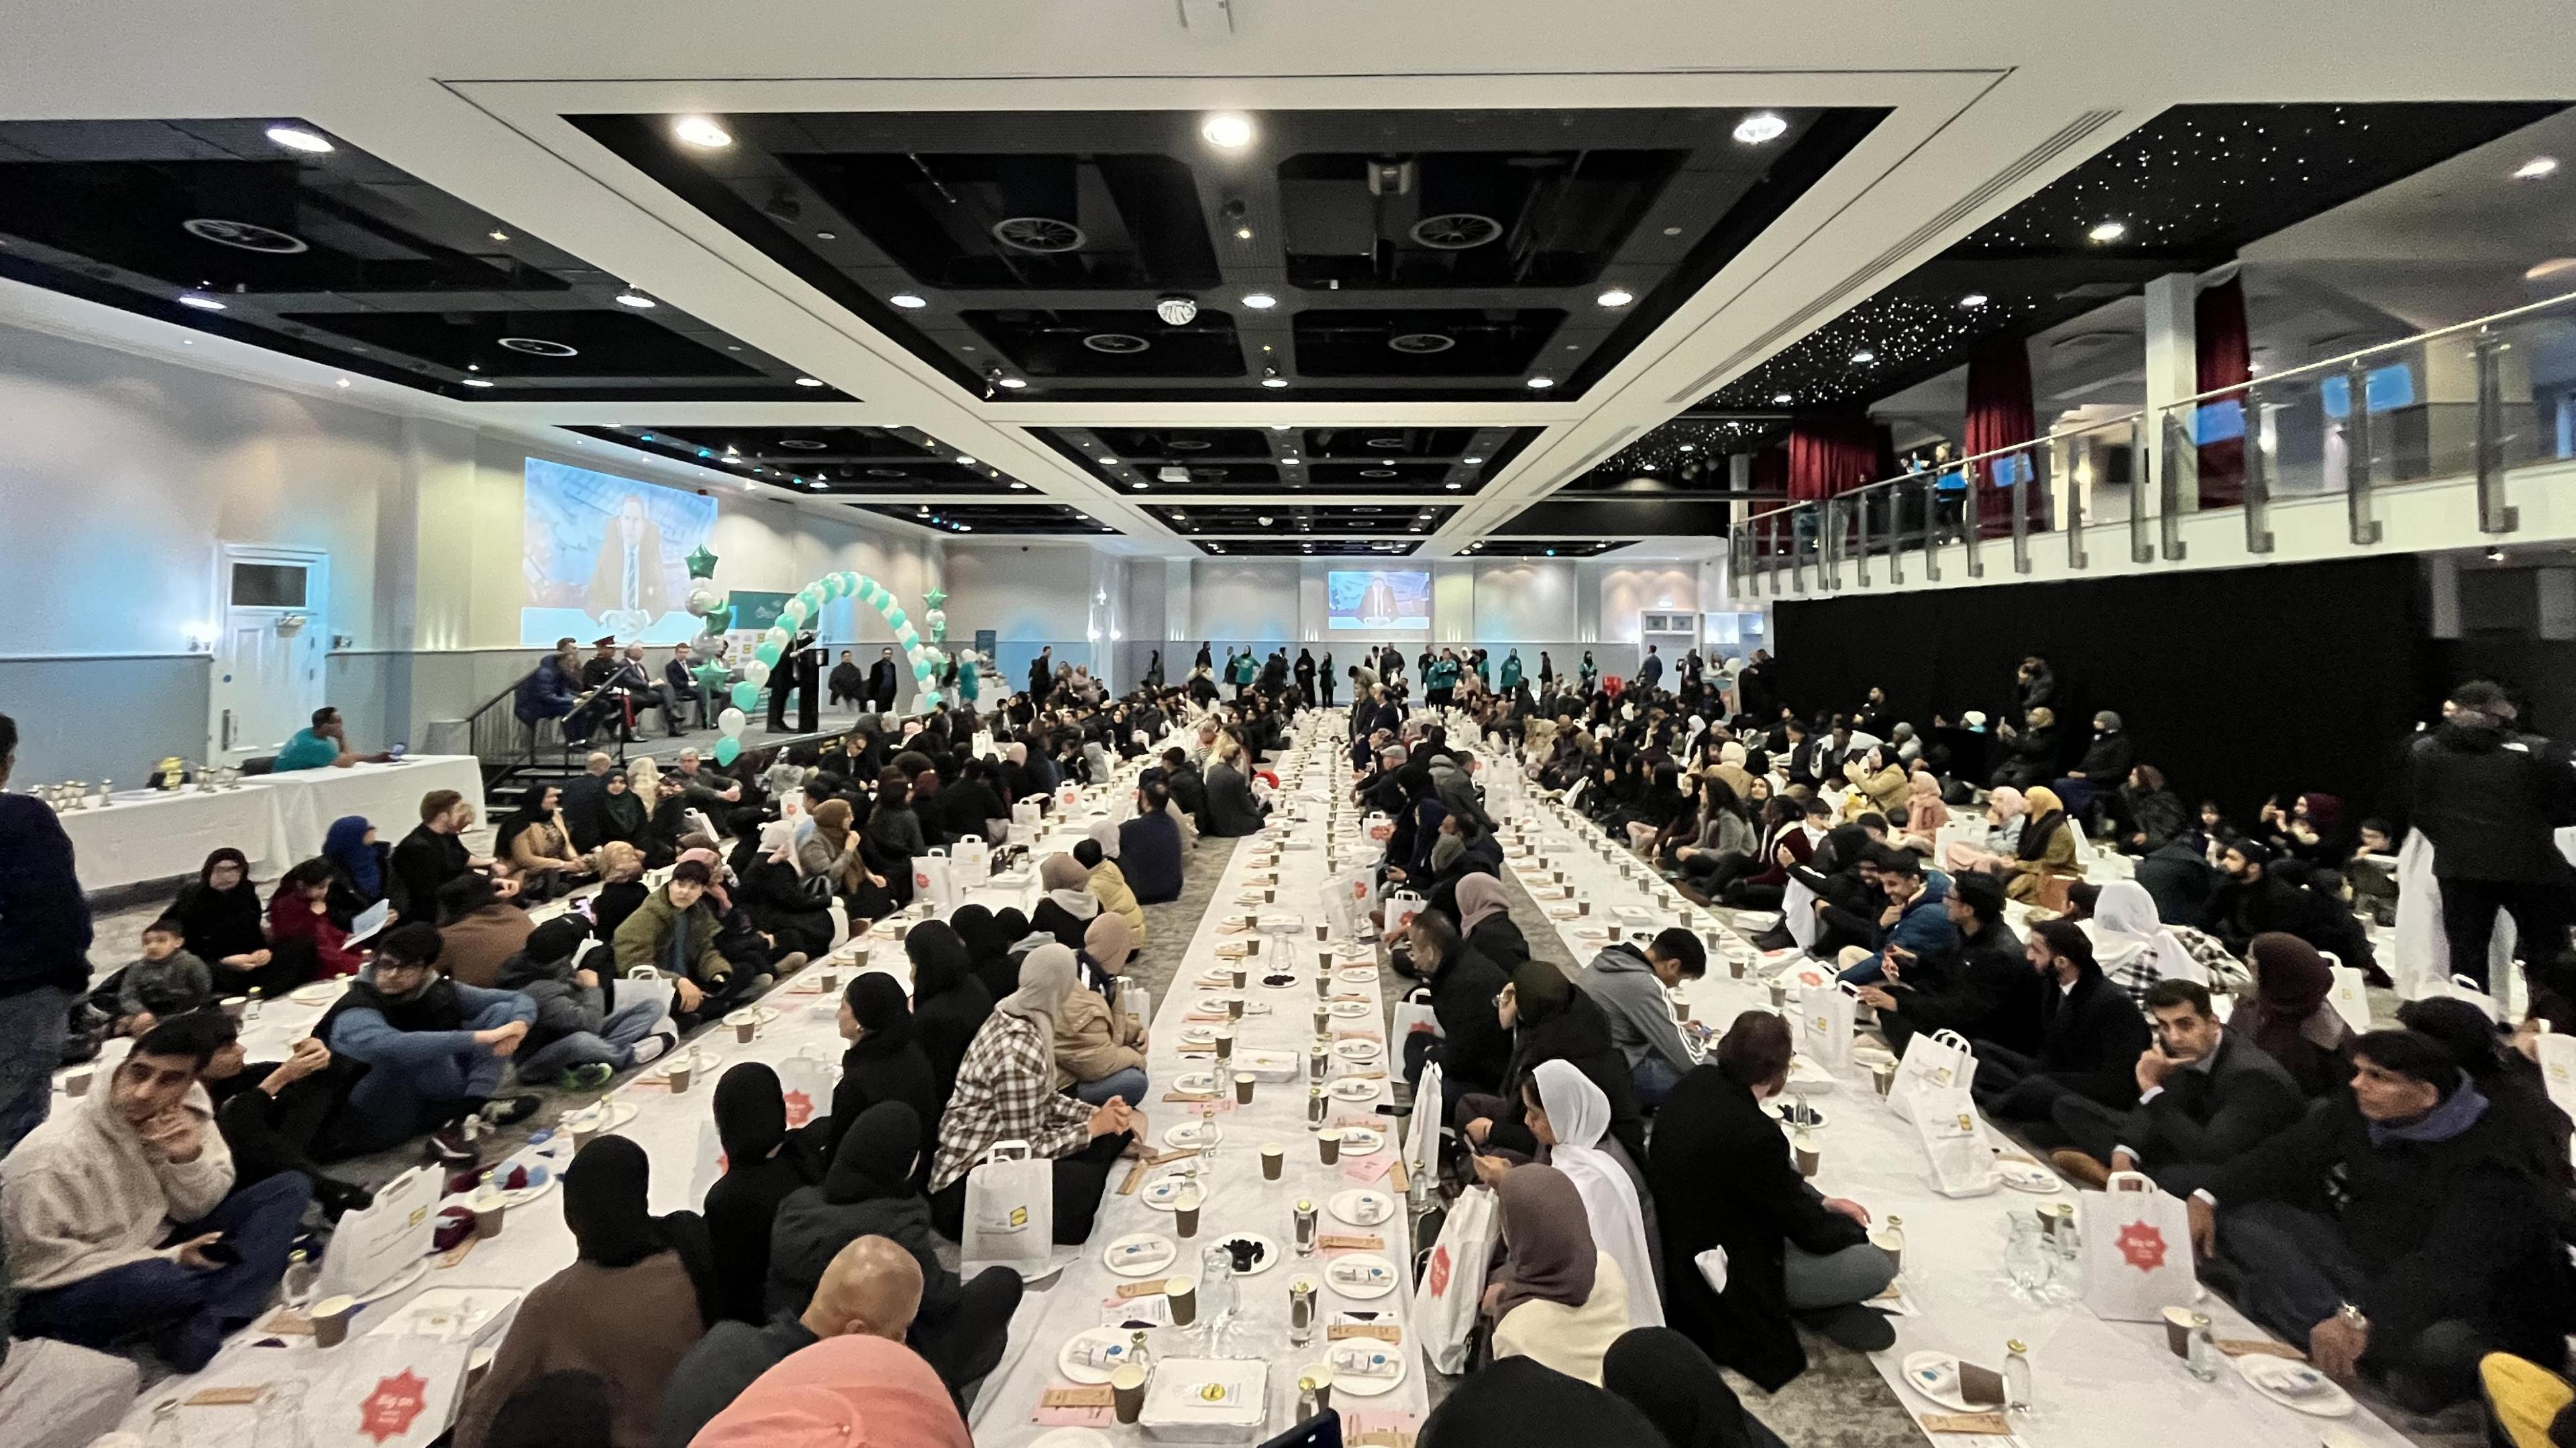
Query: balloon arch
[805, 607]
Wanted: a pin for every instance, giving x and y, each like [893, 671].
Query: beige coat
[1089, 1044]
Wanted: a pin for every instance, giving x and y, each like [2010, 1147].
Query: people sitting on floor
[2248, 899]
[621, 888]
[764, 1161]
[1099, 1048]
[1630, 986]
[219, 923]
[2130, 943]
[1006, 1091]
[477, 930]
[1719, 1178]
[883, 1062]
[2091, 1036]
[674, 933]
[2395, 1233]
[639, 1294]
[771, 887]
[1231, 809]
[537, 843]
[1473, 1046]
[1665, 1376]
[1066, 910]
[1108, 883]
[1521, 1399]
[2205, 1095]
[425, 1052]
[276, 1115]
[869, 1190]
[305, 931]
[2517, 1100]
[1557, 1297]
[576, 1035]
[817, 1396]
[2293, 1018]
[1484, 917]
[1149, 847]
[164, 981]
[870, 1287]
[88, 1201]
[1571, 1119]
[1917, 901]
[1550, 1020]
[432, 854]
[950, 1001]
[2007, 814]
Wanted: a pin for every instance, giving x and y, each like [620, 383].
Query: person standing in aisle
[44, 949]
[2489, 799]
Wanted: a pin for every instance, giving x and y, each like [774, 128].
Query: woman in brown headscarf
[835, 852]
[1926, 814]
[1557, 1298]
[1100, 1051]
[2292, 1020]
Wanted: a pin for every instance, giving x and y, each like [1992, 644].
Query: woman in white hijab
[1572, 1117]
[2132, 945]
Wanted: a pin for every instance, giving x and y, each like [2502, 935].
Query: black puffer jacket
[2489, 801]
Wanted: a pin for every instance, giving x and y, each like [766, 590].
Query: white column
[2173, 366]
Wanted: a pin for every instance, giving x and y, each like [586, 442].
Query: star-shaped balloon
[935, 597]
[719, 619]
[702, 564]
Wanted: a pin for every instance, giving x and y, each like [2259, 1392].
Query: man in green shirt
[323, 746]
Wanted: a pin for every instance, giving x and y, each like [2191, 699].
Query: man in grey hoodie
[1630, 987]
[1458, 791]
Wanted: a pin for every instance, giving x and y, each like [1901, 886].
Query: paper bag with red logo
[1453, 1279]
[2137, 1249]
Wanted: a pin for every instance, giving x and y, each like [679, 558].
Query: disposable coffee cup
[1185, 1214]
[902, 928]
[830, 979]
[489, 1207]
[1582, 907]
[76, 1081]
[1127, 1392]
[1240, 974]
[1234, 1008]
[1328, 1144]
[331, 1319]
[2178, 1326]
[1322, 932]
[1779, 994]
[1735, 967]
[1274, 1159]
[682, 1068]
[1269, 897]
[744, 1029]
[234, 1006]
[1882, 1074]
[1804, 1148]
[1323, 1020]
[1242, 1088]
[859, 956]
[1224, 1044]
[1182, 1294]
[1251, 947]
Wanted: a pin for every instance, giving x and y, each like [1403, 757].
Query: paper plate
[1365, 1385]
[1071, 1438]
[1362, 1276]
[1935, 1375]
[1362, 1141]
[1352, 1010]
[1195, 1083]
[1193, 1133]
[1139, 1254]
[1355, 1088]
[2024, 1175]
[543, 1173]
[1362, 1207]
[1068, 1358]
[319, 993]
[1265, 1251]
[1357, 975]
[1163, 1193]
[1199, 1035]
[1356, 1049]
[2292, 1385]
[1211, 1005]
[598, 1117]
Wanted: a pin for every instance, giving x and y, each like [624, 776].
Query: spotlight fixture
[2107, 231]
[200, 301]
[1471, 462]
[1260, 301]
[1615, 297]
[1015, 383]
[1288, 462]
[2495, 555]
[964, 461]
[477, 382]
[1454, 487]
[1270, 378]
[1018, 487]
[1863, 357]
[1227, 131]
[1780, 399]
[1140, 485]
[809, 382]
[498, 235]
[2536, 168]
[1176, 311]
[296, 138]
[1541, 384]
[908, 301]
[339, 381]
[1759, 128]
[1281, 426]
[700, 132]
[633, 298]
[1973, 300]
[1690, 447]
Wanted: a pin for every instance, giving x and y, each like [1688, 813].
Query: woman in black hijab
[988, 938]
[950, 1001]
[885, 1062]
[1665, 1376]
[1552, 1020]
[219, 914]
[1521, 1399]
[763, 1164]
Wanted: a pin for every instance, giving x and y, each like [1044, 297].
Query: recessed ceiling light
[1541, 384]
[200, 301]
[1015, 383]
[339, 381]
[477, 382]
[1288, 462]
[1270, 378]
[1018, 487]
[827, 236]
[809, 381]
[964, 461]
[1471, 462]
[2535, 168]
[1140, 485]
[1227, 130]
[1453, 487]
[1863, 357]
[1690, 447]
[1260, 301]
[2104, 231]
[498, 235]
[1281, 426]
[1781, 398]
[296, 138]
[908, 301]
[1760, 127]
[633, 298]
[1616, 297]
[699, 131]
[1973, 300]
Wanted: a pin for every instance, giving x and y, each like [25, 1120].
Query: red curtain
[1999, 415]
[1829, 455]
[1770, 475]
[2223, 357]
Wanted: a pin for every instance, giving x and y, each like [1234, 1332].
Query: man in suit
[1720, 1178]
[1042, 674]
[883, 682]
[2205, 1094]
[2090, 1040]
[680, 683]
[798, 672]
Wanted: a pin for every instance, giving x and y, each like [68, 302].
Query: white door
[268, 656]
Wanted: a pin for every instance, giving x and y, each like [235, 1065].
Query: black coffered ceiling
[1265, 461]
[1308, 547]
[1408, 254]
[335, 257]
[992, 517]
[1233, 520]
[2187, 189]
[1685, 455]
[824, 460]
[1544, 547]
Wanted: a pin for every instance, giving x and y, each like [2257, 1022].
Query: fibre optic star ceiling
[277, 234]
[1235, 520]
[1315, 255]
[1264, 461]
[821, 458]
[1032, 517]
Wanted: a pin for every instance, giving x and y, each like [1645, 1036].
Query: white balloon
[730, 722]
[755, 672]
[778, 636]
[936, 618]
[793, 611]
[701, 598]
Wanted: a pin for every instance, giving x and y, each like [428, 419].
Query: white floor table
[148, 834]
[387, 795]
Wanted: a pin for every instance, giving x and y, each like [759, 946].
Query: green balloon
[895, 620]
[745, 695]
[767, 654]
[728, 750]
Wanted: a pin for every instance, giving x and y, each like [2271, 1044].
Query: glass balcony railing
[2476, 400]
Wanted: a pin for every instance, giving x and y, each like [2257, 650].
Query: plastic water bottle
[2016, 1377]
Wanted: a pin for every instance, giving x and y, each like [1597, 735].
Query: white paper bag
[1955, 1141]
[2137, 1249]
[1453, 1280]
[805, 1081]
[1068, 796]
[1350, 899]
[934, 881]
[1797, 910]
[2460, 987]
[1422, 1128]
[1029, 813]
[1825, 1025]
[1377, 828]
[1401, 907]
[2351, 997]
[983, 745]
[971, 860]
[1010, 1210]
[1413, 1015]
[373, 1244]
[2558, 1070]
[1932, 1063]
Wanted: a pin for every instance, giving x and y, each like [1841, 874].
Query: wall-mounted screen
[1382, 599]
[605, 555]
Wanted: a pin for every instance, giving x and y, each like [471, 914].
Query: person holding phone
[86, 1198]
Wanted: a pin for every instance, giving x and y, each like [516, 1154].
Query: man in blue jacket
[427, 1052]
[1915, 921]
[44, 949]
